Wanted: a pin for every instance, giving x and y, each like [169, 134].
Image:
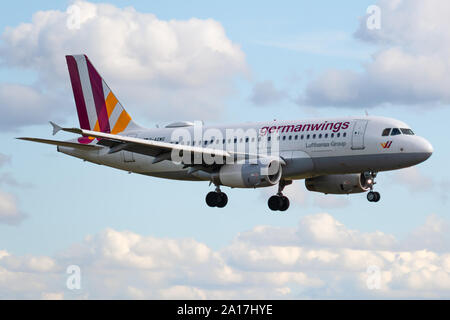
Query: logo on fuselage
[386, 145]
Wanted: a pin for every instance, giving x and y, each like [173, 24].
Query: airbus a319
[332, 155]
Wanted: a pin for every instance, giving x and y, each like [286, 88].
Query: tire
[377, 196]
[371, 196]
[223, 200]
[275, 203]
[285, 203]
[212, 198]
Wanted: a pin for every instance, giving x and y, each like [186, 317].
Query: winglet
[56, 128]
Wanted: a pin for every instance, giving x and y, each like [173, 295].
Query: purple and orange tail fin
[97, 107]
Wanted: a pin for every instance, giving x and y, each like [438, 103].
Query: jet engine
[340, 183]
[266, 172]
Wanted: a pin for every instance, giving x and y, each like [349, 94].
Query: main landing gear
[372, 196]
[216, 198]
[279, 202]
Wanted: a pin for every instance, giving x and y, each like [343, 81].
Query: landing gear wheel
[285, 203]
[279, 202]
[216, 199]
[275, 203]
[373, 196]
[377, 196]
[223, 200]
[212, 198]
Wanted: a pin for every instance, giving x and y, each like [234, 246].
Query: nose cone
[425, 149]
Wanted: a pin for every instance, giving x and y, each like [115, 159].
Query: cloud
[26, 105]
[319, 230]
[414, 180]
[411, 66]
[4, 159]
[433, 235]
[265, 93]
[9, 212]
[320, 258]
[158, 67]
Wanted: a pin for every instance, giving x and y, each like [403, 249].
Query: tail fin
[97, 107]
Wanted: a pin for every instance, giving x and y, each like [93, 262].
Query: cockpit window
[386, 132]
[395, 132]
[407, 131]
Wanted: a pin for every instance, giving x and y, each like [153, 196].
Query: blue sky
[287, 44]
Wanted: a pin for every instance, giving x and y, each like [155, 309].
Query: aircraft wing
[158, 149]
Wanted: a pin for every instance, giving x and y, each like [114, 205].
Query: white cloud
[9, 212]
[320, 258]
[26, 105]
[52, 296]
[411, 66]
[433, 235]
[157, 67]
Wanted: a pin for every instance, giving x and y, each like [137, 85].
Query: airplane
[333, 155]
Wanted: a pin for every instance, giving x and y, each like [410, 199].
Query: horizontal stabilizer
[62, 143]
[55, 127]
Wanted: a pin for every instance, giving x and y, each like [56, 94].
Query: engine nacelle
[340, 183]
[266, 172]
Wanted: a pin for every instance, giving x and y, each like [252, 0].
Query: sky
[138, 237]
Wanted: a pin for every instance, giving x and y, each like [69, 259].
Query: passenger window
[386, 132]
[307, 136]
[395, 132]
[270, 138]
[246, 139]
[284, 137]
[344, 134]
[320, 136]
[296, 137]
[326, 135]
[314, 136]
[302, 137]
[332, 135]
[290, 137]
[338, 135]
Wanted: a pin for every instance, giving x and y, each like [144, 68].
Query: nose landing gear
[279, 202]
[372, 196]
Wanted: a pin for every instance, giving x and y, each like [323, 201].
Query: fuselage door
[358, 134]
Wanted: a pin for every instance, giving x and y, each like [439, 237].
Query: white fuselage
[310, 147]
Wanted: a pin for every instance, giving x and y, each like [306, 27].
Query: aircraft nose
[426, 149]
